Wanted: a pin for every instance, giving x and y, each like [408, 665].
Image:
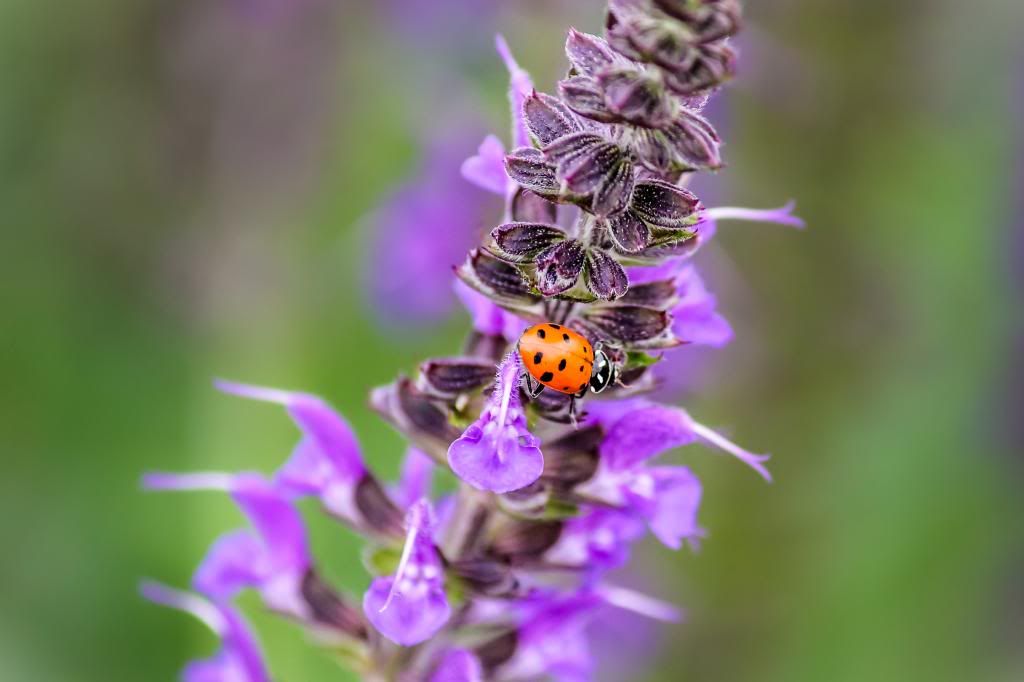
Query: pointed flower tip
[266, 394]
[161, 594]
[780, 216]
[752, 460]
[640, 603]
[207, 480]
[505, 52]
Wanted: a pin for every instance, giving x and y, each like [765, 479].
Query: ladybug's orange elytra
[557, 357]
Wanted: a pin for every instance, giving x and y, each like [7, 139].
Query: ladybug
[558, 358]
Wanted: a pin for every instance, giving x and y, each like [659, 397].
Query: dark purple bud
[587, 53]
[664, 204]
[604, 276]
[705, 67]
[637, 98]
[583, 161]
[628, 232]
[694, 142]
[530, 207]
[559, 267]
[548, 118]
[487, 577]
[631, 325]
[526, 240]
[528, 168]
[329, 609]
[614, 193]
[584, 96]
[450, 377]
[497, 650]
[378, 512]
[522, 541]
[568, 147]
[653, 150]
[493, 276]
[415, 415]
[709, 20]
[660, 295]
[573, 458]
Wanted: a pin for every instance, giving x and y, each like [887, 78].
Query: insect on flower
[558, 358]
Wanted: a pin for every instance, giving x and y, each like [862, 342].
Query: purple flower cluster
[500, 579]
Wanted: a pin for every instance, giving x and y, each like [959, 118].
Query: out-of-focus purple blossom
[638, 430]
[598, 540]
[411, 606]
[551, 641]
[274, 560]
[414, 481]
[423, 230]
[239, 659]
[327, 462]
[458, 665]
[497, 452]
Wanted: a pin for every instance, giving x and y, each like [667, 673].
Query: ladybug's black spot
[565, 337]
[546, 376]
[540, 333]
[554, 326]
[581, 368]
[537, 357]
[566, 389]
[561, 365]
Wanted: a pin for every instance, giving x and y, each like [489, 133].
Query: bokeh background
[193, 189]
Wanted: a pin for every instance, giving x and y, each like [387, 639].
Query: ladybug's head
[604, 372]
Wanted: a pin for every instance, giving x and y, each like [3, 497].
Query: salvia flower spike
[501, 579]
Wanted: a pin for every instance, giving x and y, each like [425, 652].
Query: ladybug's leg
[533, 387]
[572, 412]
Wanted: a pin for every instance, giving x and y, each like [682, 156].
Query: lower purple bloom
[411, 606]
[239, 659]
[497, 452]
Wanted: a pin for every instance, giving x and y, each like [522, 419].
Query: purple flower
[497, 452]
[410, 606]
[551, 642]
[487, 168]
[598, 540]
[414, 481]
[638, 430]
[458, 665]
[419, 233]
[327, 462]
[239, 658]
[274, 560]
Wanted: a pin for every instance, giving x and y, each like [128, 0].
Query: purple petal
[278, 522]
[411, 606]
[639, 603]
[414, 483]
[675, 500]
[559, 267]
[324, 427]
[520, 87]
[486, 170]
[458, 665]
[548, 118]
[588, 53]
[234, 562]
[600, 540]
[605, 277]
[645, 433]
[239, 659]
[781, 216]
[497, 452]
[694, 318]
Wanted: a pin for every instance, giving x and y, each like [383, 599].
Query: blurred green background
[181, 193]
